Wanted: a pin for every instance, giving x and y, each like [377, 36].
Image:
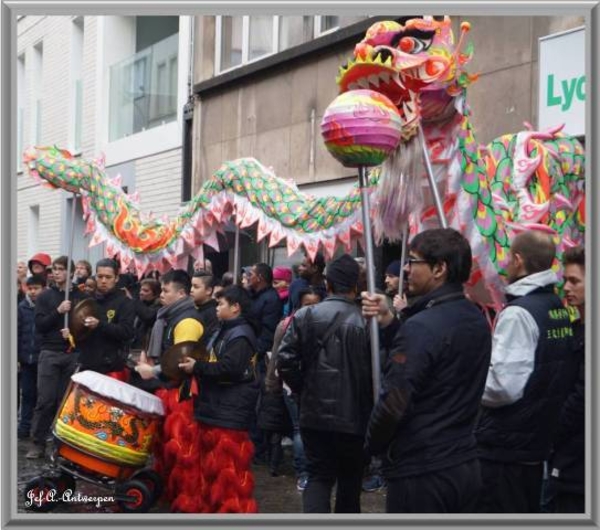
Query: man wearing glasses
[433, 380]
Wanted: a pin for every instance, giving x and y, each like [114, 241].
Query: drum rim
[83, 378]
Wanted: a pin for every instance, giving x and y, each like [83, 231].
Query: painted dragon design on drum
[113, 421]
[529, 180]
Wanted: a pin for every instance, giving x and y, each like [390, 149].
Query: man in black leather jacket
[439, 356]
[324, 357]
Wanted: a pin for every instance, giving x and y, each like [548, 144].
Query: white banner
[562, 81]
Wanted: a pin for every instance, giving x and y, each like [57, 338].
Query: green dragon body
[530, 180]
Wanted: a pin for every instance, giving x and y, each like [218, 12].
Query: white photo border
[9, 10]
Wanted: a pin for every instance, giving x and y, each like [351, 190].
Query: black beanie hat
[393, 269]
[343, 271]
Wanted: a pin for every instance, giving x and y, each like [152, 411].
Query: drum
[107, 426]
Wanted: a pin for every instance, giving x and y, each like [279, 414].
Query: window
[243, 39]
[294, 31]
[21, 98]
[76, 120]
[33, 230]
[143, 86]
[261, 37]
[38, 63]
[326, 24]
[231, 42]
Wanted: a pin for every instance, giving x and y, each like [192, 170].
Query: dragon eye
[413, 44]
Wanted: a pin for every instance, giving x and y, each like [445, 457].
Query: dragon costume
[529, 180]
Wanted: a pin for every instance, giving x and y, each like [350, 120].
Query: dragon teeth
[374, 80]
[385, 77]
[364, 83]
[353, 86]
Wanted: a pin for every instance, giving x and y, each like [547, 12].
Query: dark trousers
[331, 457]
[451, 490]
[274, 451]
[257, 435]
[510, 487]
[54, 372]
[567, 502]
[28, 377]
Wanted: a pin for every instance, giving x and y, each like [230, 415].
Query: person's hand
[91, 322]
[65, 333]
[187, 365]
[144, 367]
[375, 305]
[399, 302]
[64, 307]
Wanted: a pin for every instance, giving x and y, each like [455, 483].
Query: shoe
[301, 483]
[35, 452]
[373, 483]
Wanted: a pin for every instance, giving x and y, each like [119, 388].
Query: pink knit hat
[282, 273]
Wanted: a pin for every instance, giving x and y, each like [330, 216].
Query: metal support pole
[432, 183]
[236, 255]
[374, 326]
[402, 258]
[70, 255]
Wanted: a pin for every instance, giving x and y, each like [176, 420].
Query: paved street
[274, 494]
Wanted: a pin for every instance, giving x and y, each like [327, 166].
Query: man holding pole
[433, 380]
[324, 358]
[57, 360]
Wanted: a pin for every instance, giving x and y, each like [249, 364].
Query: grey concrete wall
[269, 116]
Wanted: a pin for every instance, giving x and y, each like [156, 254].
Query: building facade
[99, 85]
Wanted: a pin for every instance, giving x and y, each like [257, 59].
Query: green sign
[562, 91]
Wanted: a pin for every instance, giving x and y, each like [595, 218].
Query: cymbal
[169, 360]
[86, 308]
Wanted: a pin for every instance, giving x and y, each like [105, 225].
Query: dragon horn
[465, 27]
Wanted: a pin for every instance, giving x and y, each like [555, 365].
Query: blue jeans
[298, 447]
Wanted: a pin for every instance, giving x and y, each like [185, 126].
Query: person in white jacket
[530, 373]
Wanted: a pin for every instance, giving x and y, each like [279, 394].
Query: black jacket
[433, 382]
[207, 313]
[228, 385]
[49, 322]
[567, 464]
[331, 373]
[28, 340]
[266, 312]
[105, 349]
[145, 316]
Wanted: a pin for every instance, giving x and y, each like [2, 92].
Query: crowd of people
[471, 418]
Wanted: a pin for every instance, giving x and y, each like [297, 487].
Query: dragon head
[416, 65]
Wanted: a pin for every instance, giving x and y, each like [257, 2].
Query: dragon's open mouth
[380, 75]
